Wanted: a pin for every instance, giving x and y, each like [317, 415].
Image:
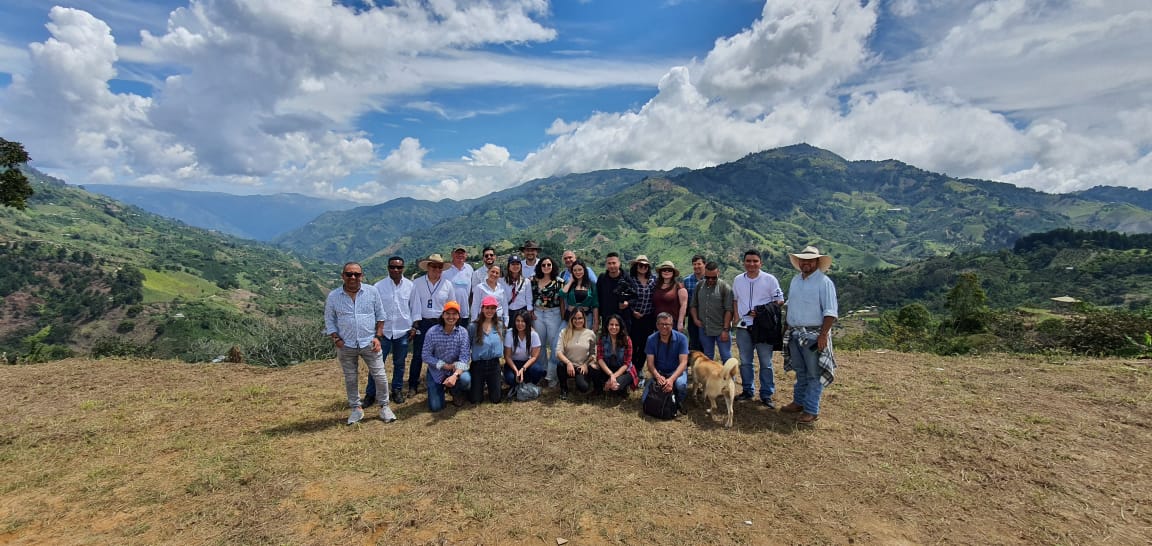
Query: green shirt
[710, 303]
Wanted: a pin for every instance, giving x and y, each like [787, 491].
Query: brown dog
[714, 380]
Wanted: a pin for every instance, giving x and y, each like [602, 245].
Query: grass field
[165, 286]
[909, 449]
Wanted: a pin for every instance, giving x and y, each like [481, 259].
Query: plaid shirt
[441, 348]
[642, 303]
[690, 283]
[805, 337]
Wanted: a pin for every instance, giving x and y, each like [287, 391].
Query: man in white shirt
[429, 294]
[459, 273]
[396, 295]
[480, 274]
[750, 289]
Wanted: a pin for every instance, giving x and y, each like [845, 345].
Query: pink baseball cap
[489, 301]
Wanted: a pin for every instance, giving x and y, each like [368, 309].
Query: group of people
[472, 330]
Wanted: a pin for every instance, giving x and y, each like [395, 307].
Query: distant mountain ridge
[868, 214]
[257, 217]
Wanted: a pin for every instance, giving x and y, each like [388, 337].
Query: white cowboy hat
[811, 253]
[667, 264]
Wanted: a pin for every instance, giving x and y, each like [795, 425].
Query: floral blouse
[550, 296]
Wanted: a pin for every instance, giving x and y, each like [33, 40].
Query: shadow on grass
[305, 427]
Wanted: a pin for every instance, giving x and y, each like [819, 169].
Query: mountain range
[868, 214]
[256, 217]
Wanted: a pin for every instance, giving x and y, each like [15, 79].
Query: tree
[14, 187]
[968, 304]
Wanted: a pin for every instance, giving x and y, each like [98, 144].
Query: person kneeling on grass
[487, 331]
[614, 371]
[447, 354]
[667, 360]
[576, 352]
[522, 353]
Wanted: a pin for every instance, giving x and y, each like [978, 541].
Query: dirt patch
[909, 449]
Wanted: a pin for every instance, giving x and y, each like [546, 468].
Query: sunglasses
[642, 266]
[352, 275]
[489, 255]
[397, 267]
[710, 278]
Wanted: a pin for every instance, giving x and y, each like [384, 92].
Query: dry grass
[909, 449]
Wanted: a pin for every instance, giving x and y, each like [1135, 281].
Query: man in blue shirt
[667, 360]
[812, 310]
[354, 318]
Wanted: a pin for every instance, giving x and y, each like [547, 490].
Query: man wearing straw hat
[429, 294]
[812, 310]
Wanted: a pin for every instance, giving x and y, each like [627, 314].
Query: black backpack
[660, 404]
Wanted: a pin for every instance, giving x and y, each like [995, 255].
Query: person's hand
[724, 335]
[571, 370]
[699, 323]
[450, 367]
[412, 333]
[612, 385]
[752, 313]
[450, 381]
[520, 375]
[667, 385]
[636, 314]
[375, 344]
[822, 343]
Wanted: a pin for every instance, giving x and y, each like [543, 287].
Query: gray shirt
[710, 303]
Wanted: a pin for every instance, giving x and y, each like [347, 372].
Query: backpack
[524, 392]
[660, 404]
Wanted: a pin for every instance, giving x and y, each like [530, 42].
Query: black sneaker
[398, 396]
[744, 396]
[563, 395]
[768, 402]
[367, 401]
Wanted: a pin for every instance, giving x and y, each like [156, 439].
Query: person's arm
[509, 339]
[683, 295]
[600, 358]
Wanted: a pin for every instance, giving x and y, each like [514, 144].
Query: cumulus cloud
[269, 95]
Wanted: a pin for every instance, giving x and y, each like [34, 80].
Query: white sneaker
[356, 416]
[386, 414]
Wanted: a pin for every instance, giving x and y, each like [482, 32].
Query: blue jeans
[547, 326]
[349, 358]
[808, 388]
[709, 344]
[399, 350]
[764, 351]
[680, 387]
[531, 375]
[436, 390]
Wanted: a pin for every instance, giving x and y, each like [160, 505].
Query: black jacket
[768, 326]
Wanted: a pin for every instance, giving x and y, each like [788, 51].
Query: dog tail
[731, 367]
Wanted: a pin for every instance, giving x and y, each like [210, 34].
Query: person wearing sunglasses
[639, 307]
[354, 318]
[711, 313]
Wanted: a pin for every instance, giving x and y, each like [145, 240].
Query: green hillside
[71, 242]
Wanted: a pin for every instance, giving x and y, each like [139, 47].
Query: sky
[370, 100]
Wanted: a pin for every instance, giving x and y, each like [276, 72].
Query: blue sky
[461, 98]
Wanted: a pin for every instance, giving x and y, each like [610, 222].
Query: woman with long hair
[491, 286]
[546, 311]
[669, 295]
[614, 371]
[640, 283]
[576, 352]
[522, 352]
[518, 288]
[580, 292]
[487, 333]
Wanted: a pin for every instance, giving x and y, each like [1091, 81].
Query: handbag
[660, 404]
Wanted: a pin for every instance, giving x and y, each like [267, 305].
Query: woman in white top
[521, 352]
[492, 286]
[518, 287]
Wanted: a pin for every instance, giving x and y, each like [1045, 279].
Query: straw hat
[433, 259]
[641, 259]
[667, 264]
[811, 253]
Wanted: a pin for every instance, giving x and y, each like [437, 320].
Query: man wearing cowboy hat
[753, 288]
[812, 310]
[530, 250]
[429, 294]
[459, 274]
